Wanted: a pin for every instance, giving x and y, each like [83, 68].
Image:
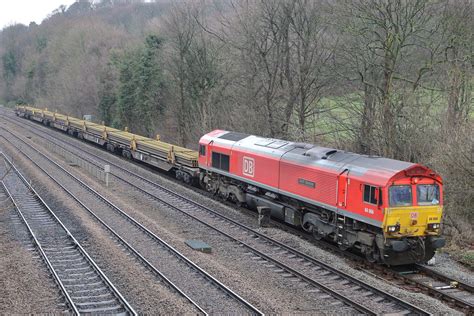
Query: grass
[9, 104]
[463, 256]
[460, 244]
[467, 258]
[343, 110]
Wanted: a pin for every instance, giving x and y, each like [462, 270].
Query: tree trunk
[388, 123]
[182, 138]
[270, 115]
[289, 78]
[367, 125]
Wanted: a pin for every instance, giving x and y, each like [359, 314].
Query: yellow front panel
[413, 220]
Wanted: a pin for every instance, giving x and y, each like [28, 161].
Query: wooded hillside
[390, 78]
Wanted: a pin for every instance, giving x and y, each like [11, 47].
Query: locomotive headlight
[433, 226]
[394, 228]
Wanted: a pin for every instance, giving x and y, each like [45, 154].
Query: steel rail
[56, 278]
[366, 286]
[140, 226]
[379, 271]
[312, 282]
[440, 276]
[106, 280]
[463, 288]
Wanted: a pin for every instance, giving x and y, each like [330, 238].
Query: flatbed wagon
[168, 157]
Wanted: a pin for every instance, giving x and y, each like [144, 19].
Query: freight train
[388, 210]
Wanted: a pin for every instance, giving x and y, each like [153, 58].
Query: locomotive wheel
[373, 255]
[234, 199]
[343, 246]
[429, 253]
[316, 234]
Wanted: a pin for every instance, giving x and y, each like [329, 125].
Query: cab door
[209, 151]
[343, 182]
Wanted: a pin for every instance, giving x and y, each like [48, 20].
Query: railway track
[200, 288]
[457, 293]
[418, 278]
[318, 276]
[85, 287]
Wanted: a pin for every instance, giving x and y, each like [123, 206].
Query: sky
[26, 11]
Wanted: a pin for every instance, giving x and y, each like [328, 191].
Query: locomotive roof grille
[234, 136]
[271, 143]
[303, 145]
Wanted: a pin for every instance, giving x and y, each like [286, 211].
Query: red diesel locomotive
[389, 210]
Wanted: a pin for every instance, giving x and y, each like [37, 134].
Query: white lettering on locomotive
[369, 210]
[248, 166]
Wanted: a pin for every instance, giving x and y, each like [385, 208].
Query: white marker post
[107, 171]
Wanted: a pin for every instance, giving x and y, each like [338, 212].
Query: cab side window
[370, 195]
[202, 150]
[220, 161]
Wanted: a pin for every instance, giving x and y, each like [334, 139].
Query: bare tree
[458, 25]
[257, 37]
[181, 30]
[196, 65]
[306, 61]
[392, 52]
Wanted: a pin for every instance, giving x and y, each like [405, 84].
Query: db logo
[248, 166]
[414, 215]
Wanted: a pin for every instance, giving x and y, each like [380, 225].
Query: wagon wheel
[187, 178]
